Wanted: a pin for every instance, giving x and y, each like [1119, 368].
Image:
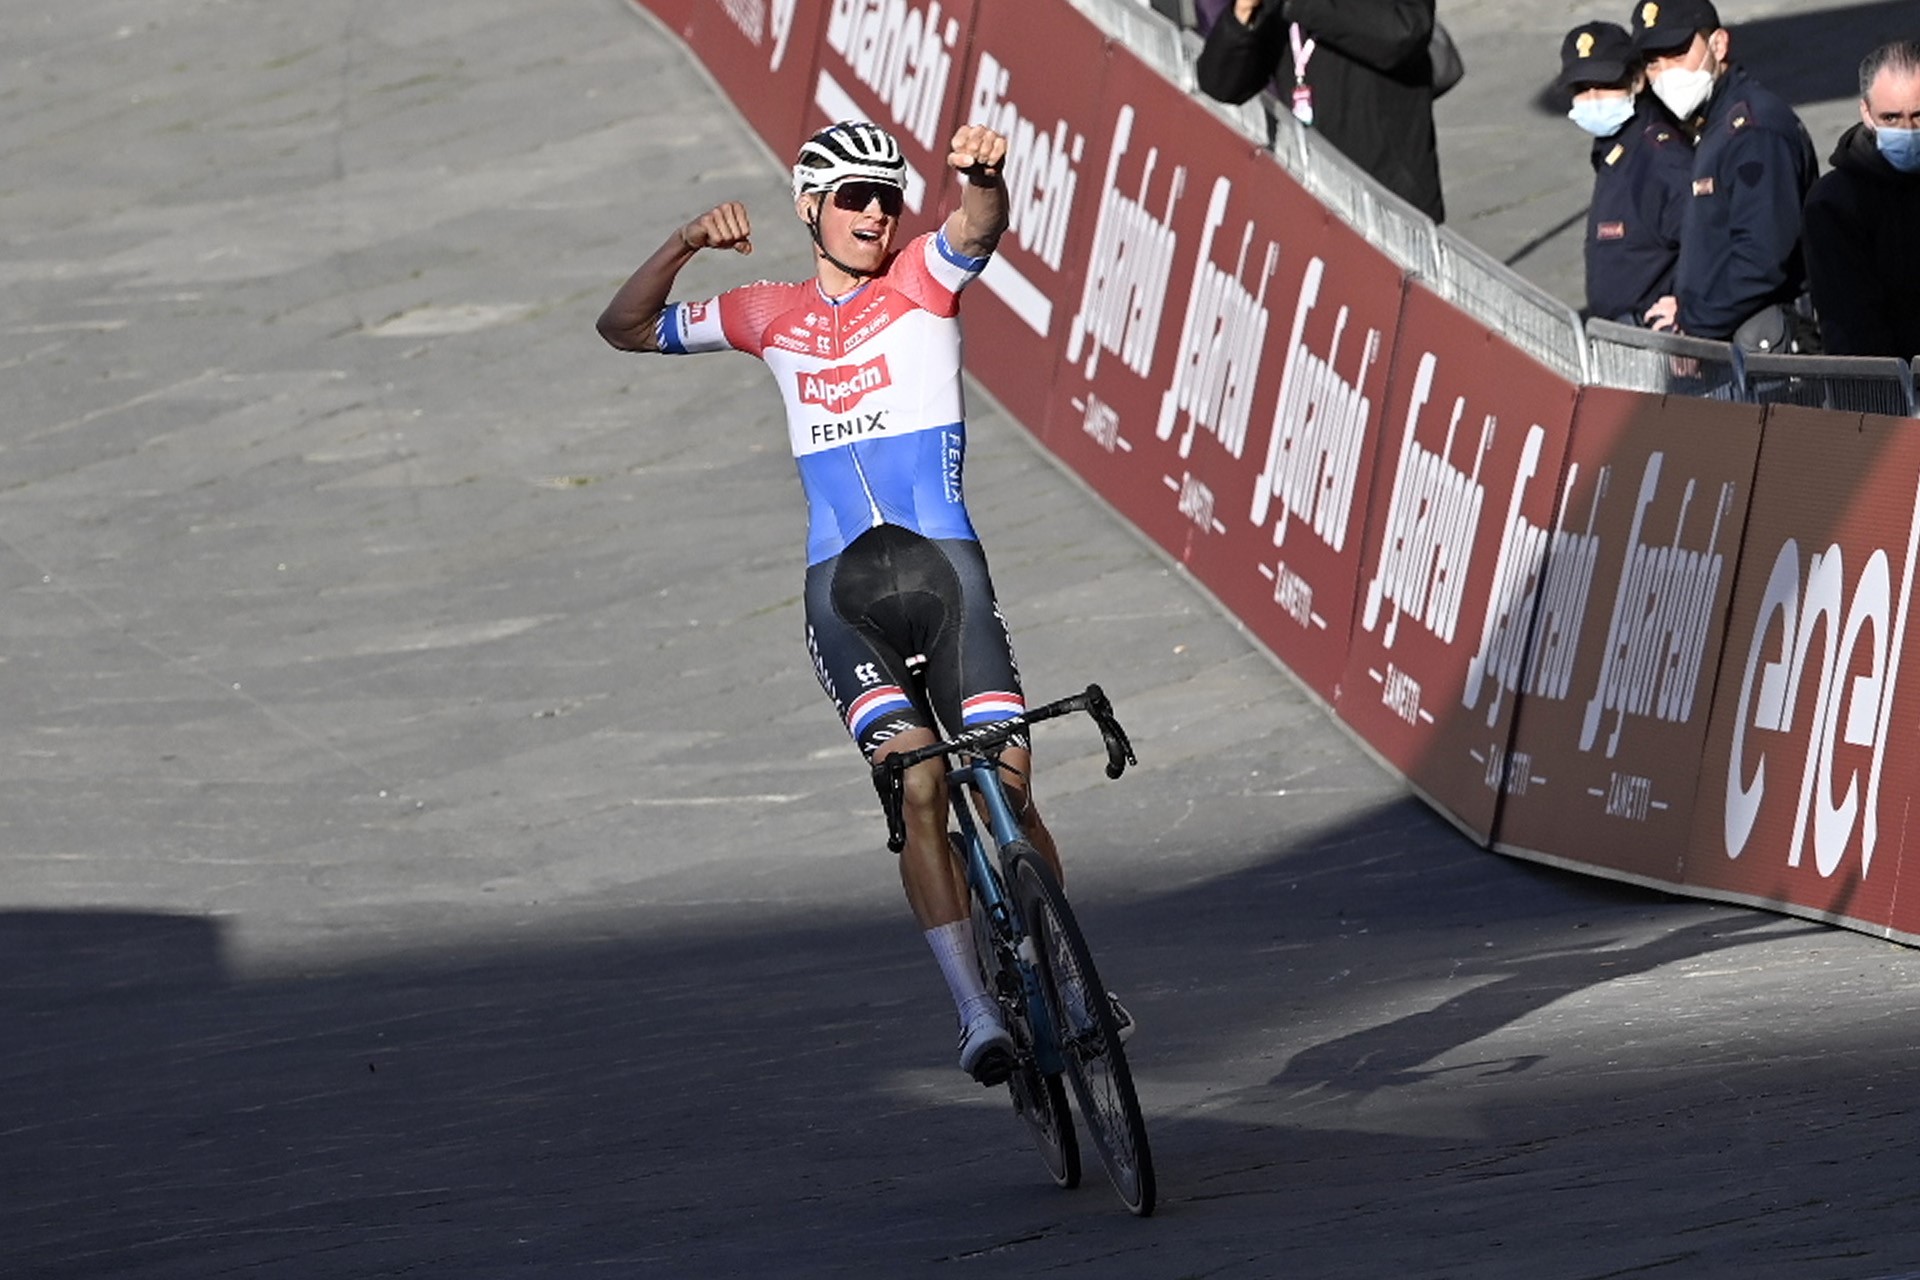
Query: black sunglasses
[854, 197]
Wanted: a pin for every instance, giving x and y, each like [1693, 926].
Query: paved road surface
[426, 852]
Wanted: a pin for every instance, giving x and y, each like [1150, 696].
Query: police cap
[1596, 53]
[1668, 26]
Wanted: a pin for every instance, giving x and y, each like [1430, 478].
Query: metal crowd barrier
[1288, 137]
[1340, 183]
[1527, 316]
[1408, 235]
[1405, 233]
[1152, 36]
[1642, 360]
[1252, 118]
[1850, 384]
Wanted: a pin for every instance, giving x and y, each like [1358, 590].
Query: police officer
[1740, 273]
[1642, 170]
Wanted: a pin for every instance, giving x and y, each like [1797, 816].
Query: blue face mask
[1901, 147]
[1602, 117]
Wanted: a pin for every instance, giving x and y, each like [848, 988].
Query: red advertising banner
[1157, 324]
[675, 15]
[1294, 501]
[1627, 629]
[761, 53]
[1017, 313]
[1465, 490]
[1803, 798]
[900, 64]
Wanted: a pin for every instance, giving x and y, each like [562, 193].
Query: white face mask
[1682, 90]
[1602, 117]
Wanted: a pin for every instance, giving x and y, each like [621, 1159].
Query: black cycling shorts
[894, 594]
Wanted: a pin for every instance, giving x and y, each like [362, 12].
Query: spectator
[1740, 273]
[1642, 170]
[1358, 71]
[1863, 218]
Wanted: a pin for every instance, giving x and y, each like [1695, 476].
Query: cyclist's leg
[1016, 774]
[863, 669]
[935, 884]
[866, 676]
[973, 678]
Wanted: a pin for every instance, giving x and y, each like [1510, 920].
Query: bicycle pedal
[994, 1068]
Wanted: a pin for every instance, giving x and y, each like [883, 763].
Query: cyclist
[867, 357]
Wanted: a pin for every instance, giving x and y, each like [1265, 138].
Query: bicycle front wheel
[1039, 1100]
[1089, 1042]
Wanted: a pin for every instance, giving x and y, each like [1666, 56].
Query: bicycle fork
[1010, 935]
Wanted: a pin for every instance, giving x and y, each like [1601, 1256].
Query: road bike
[1035, 959]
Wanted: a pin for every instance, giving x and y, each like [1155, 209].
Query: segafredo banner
[1296, 495]
[1617, 679]
[1167, 190]
[1466, 487]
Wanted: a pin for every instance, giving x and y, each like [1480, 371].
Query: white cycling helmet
[851, 151]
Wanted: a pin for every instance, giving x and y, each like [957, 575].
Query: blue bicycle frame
[982, 777]
[978, 774]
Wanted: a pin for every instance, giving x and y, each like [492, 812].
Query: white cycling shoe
[986, 1050]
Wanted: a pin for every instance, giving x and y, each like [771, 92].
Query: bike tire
[1041, 1103]
[1039, 1100]
[1095, 1062]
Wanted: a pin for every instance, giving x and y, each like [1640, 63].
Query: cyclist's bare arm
[631, 320]
[975, 227]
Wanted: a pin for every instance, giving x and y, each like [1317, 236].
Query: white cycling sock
[960, 965]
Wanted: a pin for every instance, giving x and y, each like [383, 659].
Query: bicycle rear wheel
[1039, 1100]
[1089, 1042]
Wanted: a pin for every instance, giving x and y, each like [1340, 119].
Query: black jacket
[1862, 242]
[1740, 250]
[1642, 178]
[1371, 77]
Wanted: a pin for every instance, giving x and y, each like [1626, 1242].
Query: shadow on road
[725, 1092]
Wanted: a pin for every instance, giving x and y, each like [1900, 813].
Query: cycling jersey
[872, 388]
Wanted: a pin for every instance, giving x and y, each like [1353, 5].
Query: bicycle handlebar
[983, 740]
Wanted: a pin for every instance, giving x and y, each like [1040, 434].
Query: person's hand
[725, 226]
[1244, 11]
[977, 149]
[1664, 315]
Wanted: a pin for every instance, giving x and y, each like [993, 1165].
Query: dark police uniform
[1641, 179]
[1740, 248]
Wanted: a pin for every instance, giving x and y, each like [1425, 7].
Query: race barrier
[1649, 636]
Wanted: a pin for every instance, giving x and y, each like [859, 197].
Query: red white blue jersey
[872, 388]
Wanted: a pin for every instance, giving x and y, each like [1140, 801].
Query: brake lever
[1119, 746]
